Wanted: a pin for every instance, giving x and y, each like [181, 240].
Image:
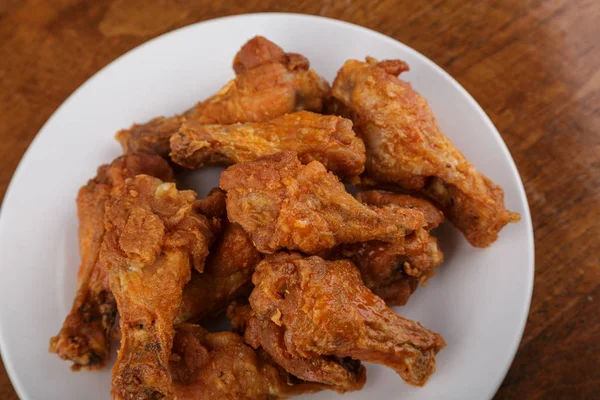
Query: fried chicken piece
[328, 139]
[221, 366]
[151, 137]
[406, 148]
[238, 314]
[323, 307]
[393, 270]
[213, 205]
[262, 90]
[433, 216]
[227, 276]
[259, 51]
[281, 203]
[84, 337]
[341, 374]
[229, 267]
[152, 241]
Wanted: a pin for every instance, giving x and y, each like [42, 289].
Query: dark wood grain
[534, 66]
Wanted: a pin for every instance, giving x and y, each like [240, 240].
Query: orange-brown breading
[323, 307]
[281, 203]
[151, 137]
[433, 216]
[405, 147]
[213, 205]
[393, 270]
[328, 139]
[229, 267]
[266, 89]
[227, 276]
[221, 366]
[259, 51]
[339, 374]
[152, 241]
[84, 338]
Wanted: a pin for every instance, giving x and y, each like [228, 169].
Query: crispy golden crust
[152, 240]
[339, 374]
[227, 276]
[259, 51]
[213, 205]
[394, 270]
[264, 89]
[323, 307]
[281, 203]
[328, 139]
[261, 94]
[152, 136]
[256, 52]
[84, 337]
[238, 314]
[229, 266]
[405, 147]
[433, 216]
[221, 366]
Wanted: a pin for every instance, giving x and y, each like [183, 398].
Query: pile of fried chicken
[305, 271]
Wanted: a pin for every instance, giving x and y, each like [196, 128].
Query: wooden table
[534, 66]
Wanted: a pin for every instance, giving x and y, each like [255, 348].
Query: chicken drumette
[228, 269]
[152, 240]
[269, 83]
[407, 150]
[433, 216]
[393, 270]
[281, 203]
[84, 337]
[325, 138]
[227, 276]
[221, 366]
[341, 374]
[323, 308]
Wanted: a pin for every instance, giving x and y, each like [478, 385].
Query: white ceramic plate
[478, 300]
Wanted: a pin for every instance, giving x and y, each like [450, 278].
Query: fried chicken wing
[394, 270]
[151, 137]
[213, 205]
[227, 276]
[281, 203]
[269, 86]
[152, 241]
[323, 307]
[328, 139]
[406, 148]
[342, 374]
[259, 51]
[84, 338]
[433, 216]
[221, 366]
[229, 266]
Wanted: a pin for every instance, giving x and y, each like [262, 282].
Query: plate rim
[525, 216]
